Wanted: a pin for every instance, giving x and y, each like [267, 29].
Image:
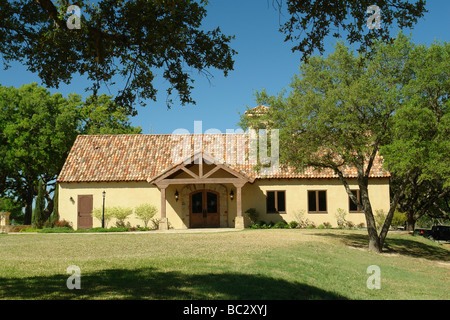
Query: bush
[51, 223]
[398, 219]
[30, 229]
[379, 216]
[57, 230]
[293, 224]
[280, 225]
[121, 214]
[145, 212]
[97, 213]
[340, 218]
[327, 225]
[252, 214]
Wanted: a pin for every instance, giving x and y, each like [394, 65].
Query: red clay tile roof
[140, 157]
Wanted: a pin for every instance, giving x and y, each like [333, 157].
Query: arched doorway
[204, 210]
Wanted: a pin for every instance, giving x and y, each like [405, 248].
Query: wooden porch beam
[192, 174]
[163, 203]
[166, 182]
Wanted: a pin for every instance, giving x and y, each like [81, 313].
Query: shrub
[51, 223]
[321, 226]
[30, 229]
[350, 225]
[398, 219]
[121, 214]
[340, 218]
[327, 225]
[293, 224]
[145, 212]
[379, 216]
[97, 213]
[57, 230]
[301, 220]
[261, 223]
[252, 214]
[280, 225]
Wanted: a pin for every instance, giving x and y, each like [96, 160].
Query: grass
[251, 264]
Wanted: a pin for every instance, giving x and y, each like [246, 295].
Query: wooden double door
[204, 209]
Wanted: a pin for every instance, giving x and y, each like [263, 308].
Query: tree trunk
[374, 240]
[28, 207]
[410, 221]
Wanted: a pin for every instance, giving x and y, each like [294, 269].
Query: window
[276, 202]
[317, 201]
[352, 207]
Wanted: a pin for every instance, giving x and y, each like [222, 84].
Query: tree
[129, 40]
[423, 197]
[55, 214]
[12, 206]
[309, 22]
[339, 114]
[37, 130]
[421, 141]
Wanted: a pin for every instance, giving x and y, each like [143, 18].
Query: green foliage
[380, 217]
[341, 18]
[346, 107]
[398, 219]
[55, 214]
[37, 130]
[280, 225]
[56, 230]
[252, 214]
[145, 212]
[120, 214]
[98, 214]
[53, 223]
[327, 225]
[130, 39]
[293, 224]
[14, 207]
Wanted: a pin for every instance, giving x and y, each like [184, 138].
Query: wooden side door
[85, 207]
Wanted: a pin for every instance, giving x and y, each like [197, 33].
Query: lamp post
[103, 211]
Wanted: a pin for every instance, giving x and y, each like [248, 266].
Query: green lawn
[249, 264]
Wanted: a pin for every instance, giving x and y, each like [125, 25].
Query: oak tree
[129, 41]
[344, 109]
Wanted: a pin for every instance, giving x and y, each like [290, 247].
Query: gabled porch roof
[199, 176]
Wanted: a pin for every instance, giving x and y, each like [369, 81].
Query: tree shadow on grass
[409, 247]
[149, 283]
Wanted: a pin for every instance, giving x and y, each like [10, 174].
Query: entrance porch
[206, 189]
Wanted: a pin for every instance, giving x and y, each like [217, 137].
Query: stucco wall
[132, 194]
[296, 191]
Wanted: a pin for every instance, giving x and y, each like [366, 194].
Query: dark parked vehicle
[435, 233]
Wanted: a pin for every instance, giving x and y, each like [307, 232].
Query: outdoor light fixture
[176, 195]
[231, 194]
[103, 211]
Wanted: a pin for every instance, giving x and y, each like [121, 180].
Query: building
[201, 181]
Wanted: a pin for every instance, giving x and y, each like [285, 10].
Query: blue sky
[264, 60]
